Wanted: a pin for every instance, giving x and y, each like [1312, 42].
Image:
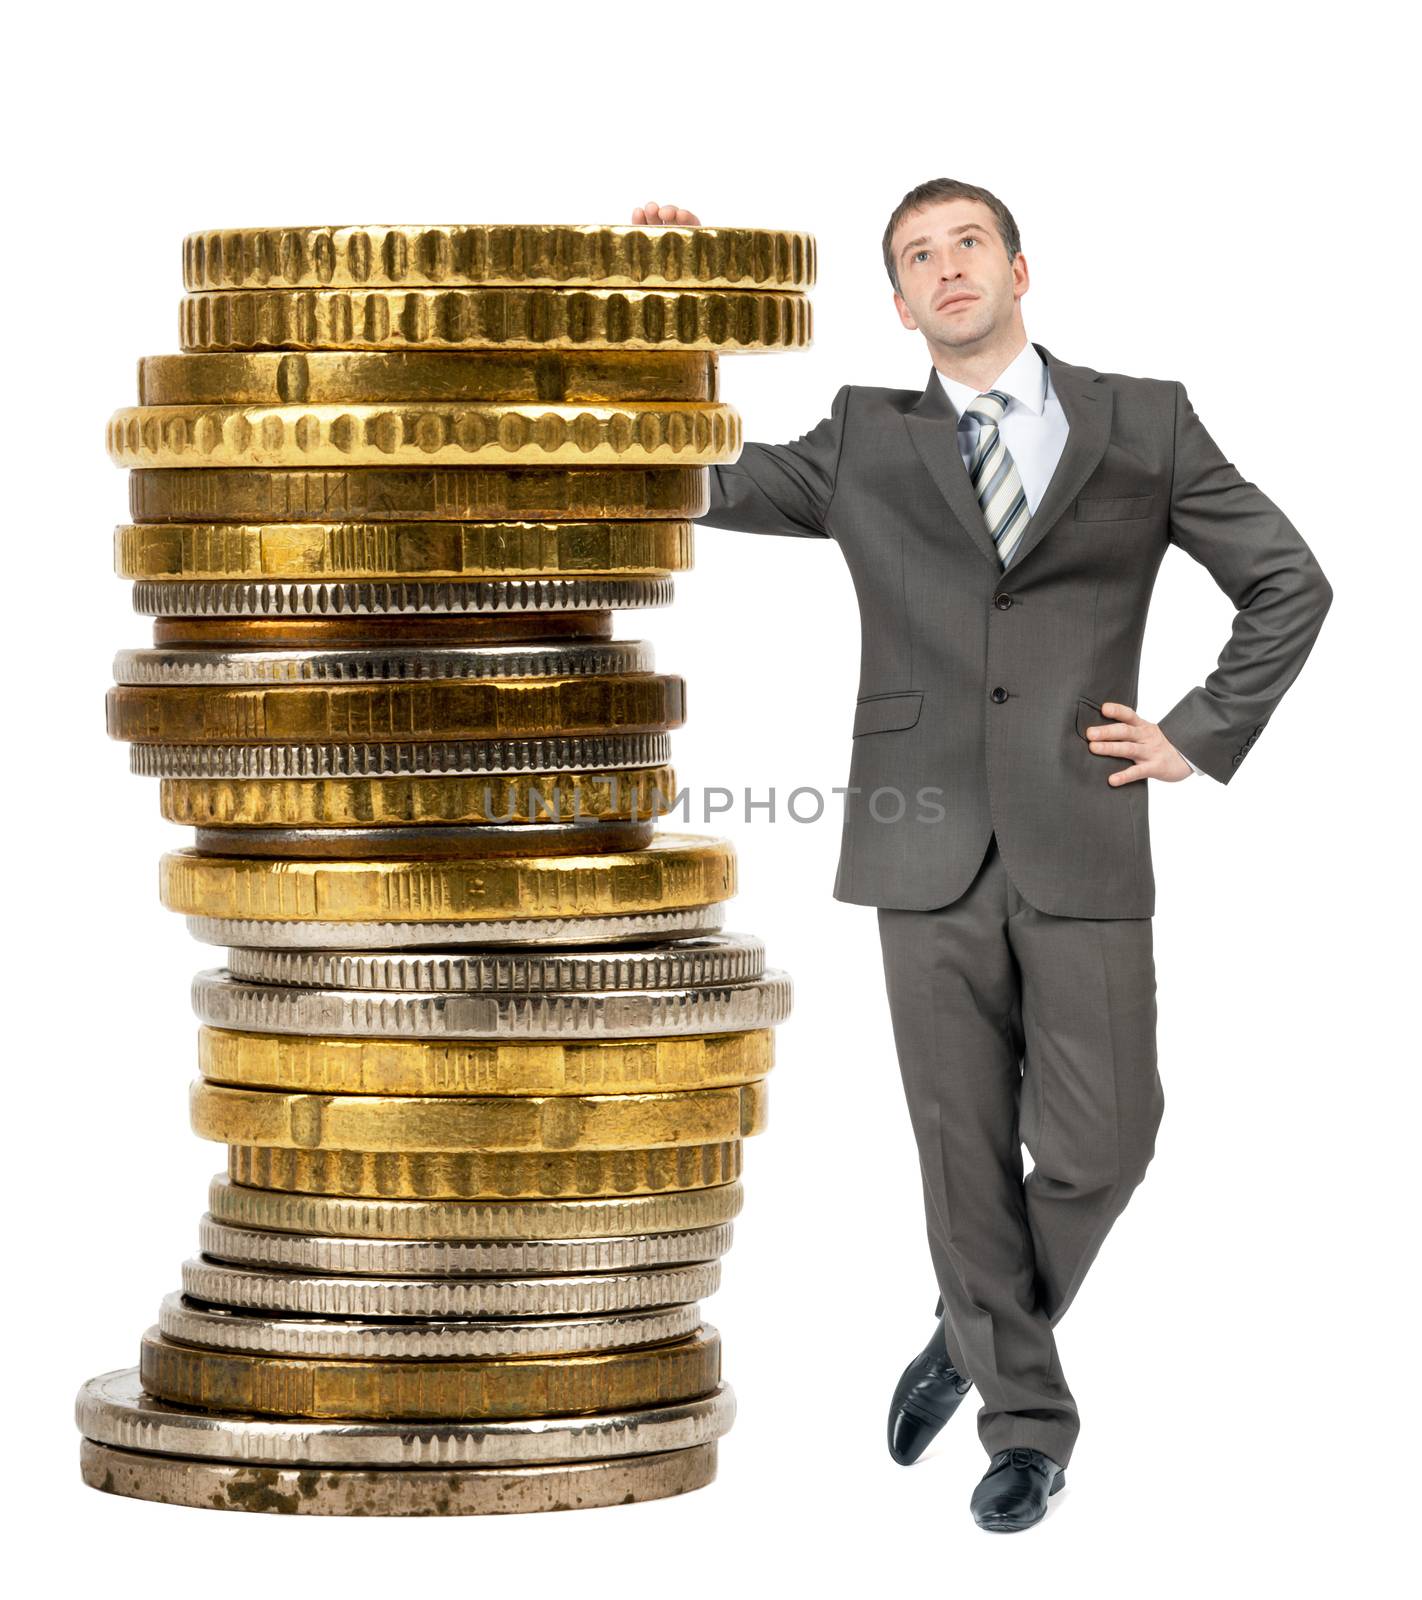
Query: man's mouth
[955, 299]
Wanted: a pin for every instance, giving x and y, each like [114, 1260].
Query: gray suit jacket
[975, 683]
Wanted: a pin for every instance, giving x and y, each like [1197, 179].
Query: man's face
[956, 284]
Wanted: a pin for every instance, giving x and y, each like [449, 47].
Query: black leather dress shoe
[1013, 1492]
[929, 1391]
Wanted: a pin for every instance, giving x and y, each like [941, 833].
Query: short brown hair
[948, 189]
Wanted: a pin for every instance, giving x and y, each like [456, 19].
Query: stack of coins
[483, 1054]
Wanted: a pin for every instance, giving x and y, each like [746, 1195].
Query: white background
[1215, 194]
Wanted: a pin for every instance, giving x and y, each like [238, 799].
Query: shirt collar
[1024, 378]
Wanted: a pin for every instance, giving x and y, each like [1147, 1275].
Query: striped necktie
[994, 476]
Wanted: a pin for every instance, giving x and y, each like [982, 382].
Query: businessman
[1003, 529]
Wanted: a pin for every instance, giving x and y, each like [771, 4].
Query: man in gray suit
[1003, 529]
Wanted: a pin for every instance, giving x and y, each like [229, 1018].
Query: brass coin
[518, 1386]
[408, 1124]
[618, 254]
[453, 801]
[393, 713]
[481, 318]
[676, 1211]
[442, 433]
[556, 1175]
[416, 494]
[675, 870]
[337, 377]
[395, 1491]
[298, 1062]
[219, 550]
[355, 633]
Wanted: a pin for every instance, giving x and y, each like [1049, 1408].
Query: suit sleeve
[1258, 558]
[781, 488]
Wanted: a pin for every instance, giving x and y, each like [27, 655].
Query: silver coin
[222, 1001]
[112, 1409]
[185, 598]
[395, 1492]
[318, 1295]
[342, 1216]
[382, 664]
[441, 1258]
[216, 1328]
[593, 754]
[713, 958]
[430, 843]
[423, 935]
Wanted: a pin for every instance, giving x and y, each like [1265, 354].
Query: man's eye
[968, 240]
[918, 253]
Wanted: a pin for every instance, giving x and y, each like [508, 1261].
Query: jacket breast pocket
[880, 713]
[1112, 508]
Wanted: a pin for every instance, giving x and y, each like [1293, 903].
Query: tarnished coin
[413, 598]
[458, 1124]
[311, 1064]
[287, 1292]
[502, 801]
[615, 255]
[397, 713]
[486, 1175]
[727, 320]
[112, 1409]
[444, 631]
[444, 433]
[708, 959]
[419, 494]
[466, 1339]
[224, 1001]
[676, 869]
[426, 843]
[673, 1212]
[391, 1492]
[333, 377]
[423, 1258]
[427, 550]
[382, 935]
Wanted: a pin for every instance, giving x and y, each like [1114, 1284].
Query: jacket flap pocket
[1109, 508]
[1088, 715]
[878, 713]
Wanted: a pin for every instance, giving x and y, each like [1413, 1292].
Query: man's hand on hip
[1135, 739]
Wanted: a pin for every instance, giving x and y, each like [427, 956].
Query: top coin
[434, 256]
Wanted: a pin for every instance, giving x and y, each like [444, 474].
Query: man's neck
[980, 369]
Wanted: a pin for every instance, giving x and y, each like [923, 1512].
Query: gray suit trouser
[1014, 1027]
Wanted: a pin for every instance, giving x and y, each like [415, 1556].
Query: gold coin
[518, 1386]
[396, 1491]
[653, 433]
[455, 801]
[310, 1064]
[388, 1124]
[341, 633]
[336, 377]
[494, 252]
[224, 550]
[395, 713]
[509, 318]
[553, 1175]
[331, 1216]
[420, 494]
[675, 870]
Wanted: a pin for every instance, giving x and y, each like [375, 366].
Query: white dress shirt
[1033, 427]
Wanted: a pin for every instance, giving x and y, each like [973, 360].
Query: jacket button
[999, 694]
[1002, 601]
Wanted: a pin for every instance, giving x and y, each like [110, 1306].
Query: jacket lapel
[932, 423]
